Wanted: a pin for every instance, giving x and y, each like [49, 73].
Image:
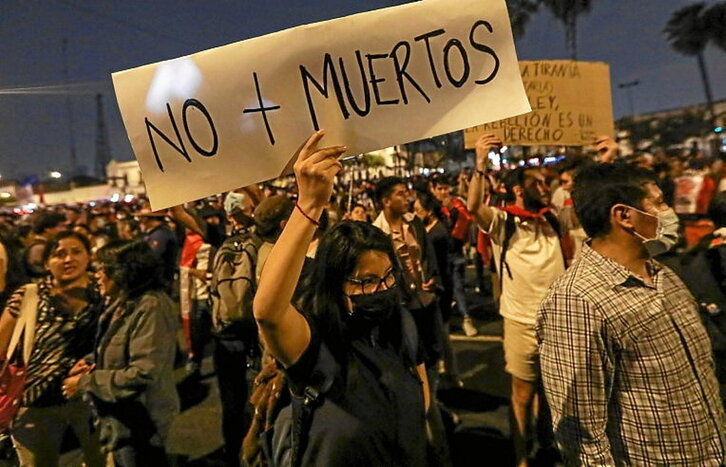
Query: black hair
[336, 259]
[514, 178]
[47, 220]
[440, 179]
[53, 243]
[572, 164]
[599, 187]
[269, 214]
[717, 209]
[132, 266]
[431, 204]
[385, 186]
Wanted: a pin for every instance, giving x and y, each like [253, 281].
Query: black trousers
[201, 328]
[230, 363]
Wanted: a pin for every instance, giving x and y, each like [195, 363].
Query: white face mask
[666, 234]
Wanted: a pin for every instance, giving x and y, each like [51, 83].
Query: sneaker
[469, 329]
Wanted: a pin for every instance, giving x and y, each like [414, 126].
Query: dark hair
[599, 187]
[717, 209]
[53, 243]
[514, 178]
[269, 214]
[431, 204]
[384, 187]
[47, 220]
[132, 266]
[440, 179]
[336, 259]
[572, 164]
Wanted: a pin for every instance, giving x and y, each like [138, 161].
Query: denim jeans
[458, 267]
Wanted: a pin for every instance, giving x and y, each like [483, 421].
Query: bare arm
[284, 330]
[182, 216]
[421, 369]
[482, 213]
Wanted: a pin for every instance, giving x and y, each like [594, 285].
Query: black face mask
[370, 310]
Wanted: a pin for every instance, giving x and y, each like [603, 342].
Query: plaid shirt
[627, 368]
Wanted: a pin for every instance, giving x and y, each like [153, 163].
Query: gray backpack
[233, 283]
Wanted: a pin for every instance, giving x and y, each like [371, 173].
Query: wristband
[314, 222]
[481, 172]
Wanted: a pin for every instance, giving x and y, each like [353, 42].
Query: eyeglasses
[371, 285]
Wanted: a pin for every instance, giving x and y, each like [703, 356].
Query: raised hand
[607, 148]
[315, 171]
[484, 144]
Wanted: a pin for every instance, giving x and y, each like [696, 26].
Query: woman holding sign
[348, 347]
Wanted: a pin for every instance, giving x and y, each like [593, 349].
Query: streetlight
[55, 174]
[629, 89]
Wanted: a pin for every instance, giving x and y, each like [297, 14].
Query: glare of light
[128, 198]
[550, 160]
[5, 195]
[55, 174]
[92, 203]
[115, 198]
[504, 148]
[178, 78]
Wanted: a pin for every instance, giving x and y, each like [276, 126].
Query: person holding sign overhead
[527, 248]
[348, 347]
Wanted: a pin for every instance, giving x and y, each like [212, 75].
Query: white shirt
[535, 260]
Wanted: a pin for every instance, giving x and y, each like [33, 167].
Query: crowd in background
[116, 283]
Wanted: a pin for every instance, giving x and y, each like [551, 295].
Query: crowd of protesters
[328, 304]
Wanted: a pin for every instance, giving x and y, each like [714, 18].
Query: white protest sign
[234, 115]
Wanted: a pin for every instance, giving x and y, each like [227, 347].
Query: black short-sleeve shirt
[374, 415]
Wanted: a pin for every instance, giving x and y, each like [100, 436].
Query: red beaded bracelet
[315, 223]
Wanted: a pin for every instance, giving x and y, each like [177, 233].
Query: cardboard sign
[235, 115]
[571, 106]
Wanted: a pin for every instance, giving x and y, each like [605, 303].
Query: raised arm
[284, 331]
[607, 149]
[479, 210]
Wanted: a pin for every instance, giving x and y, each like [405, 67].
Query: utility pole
[103, 151]
[629, 90]
[69, 111]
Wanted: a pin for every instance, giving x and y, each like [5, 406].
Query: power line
[79, 87]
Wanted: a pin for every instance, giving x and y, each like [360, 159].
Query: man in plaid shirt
[626, 364]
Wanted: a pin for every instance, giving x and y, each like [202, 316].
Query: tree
[690, 29]
[568, 11]
[520, 12]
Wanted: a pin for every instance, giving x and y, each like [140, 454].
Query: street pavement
[478, 411]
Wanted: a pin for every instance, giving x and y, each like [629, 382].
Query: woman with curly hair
[130, 377]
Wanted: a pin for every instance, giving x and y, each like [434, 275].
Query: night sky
[105, 36]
